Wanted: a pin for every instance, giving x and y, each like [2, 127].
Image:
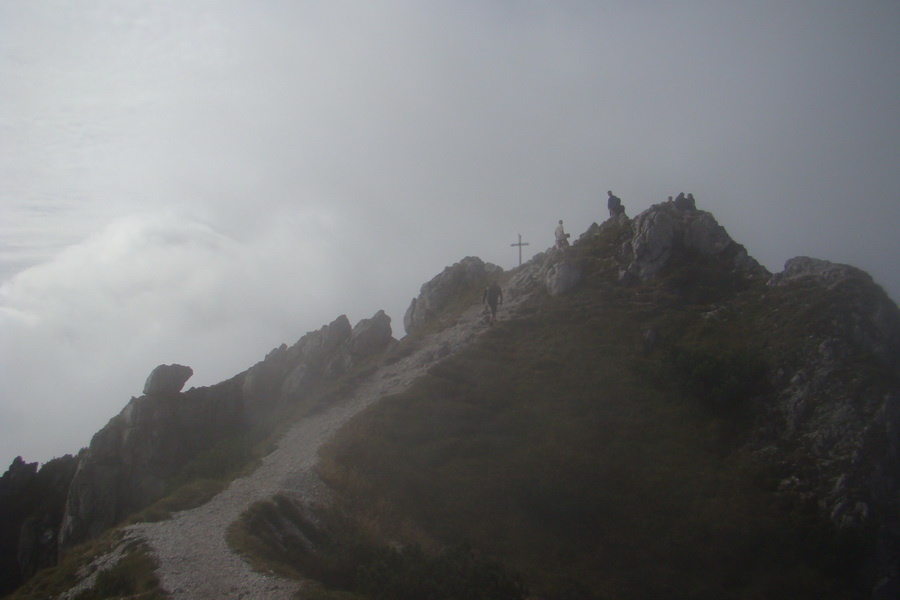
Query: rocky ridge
[32, 502]
[130, 462]
[836, 444]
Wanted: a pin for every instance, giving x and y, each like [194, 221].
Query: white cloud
[83, 330]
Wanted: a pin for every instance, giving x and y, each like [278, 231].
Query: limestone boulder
[561, 277]
[663, 230]
[167, 379]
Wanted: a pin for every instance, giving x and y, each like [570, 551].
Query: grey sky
[198, 181]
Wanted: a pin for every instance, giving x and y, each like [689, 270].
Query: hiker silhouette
[614, 204]
[492, 296]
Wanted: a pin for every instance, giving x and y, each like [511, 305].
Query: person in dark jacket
[614, 204]
[493, 297]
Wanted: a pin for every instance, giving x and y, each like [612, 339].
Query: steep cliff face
[131, 461]
[32, 501]
[832, 421]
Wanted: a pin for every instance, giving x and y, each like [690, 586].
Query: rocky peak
[19, 475]
[663, 229]
[648, 243]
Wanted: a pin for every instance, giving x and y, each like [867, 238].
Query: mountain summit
[654, 415]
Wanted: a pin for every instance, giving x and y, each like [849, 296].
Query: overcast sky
[198, 181]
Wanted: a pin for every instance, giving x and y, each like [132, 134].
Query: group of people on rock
[613, 204]
[683, 202]
[615, 208]
[493, 295]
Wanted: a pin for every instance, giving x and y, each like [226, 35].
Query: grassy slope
[132, 577]
[557, 445]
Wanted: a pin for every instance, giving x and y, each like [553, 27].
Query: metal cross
[520, 244]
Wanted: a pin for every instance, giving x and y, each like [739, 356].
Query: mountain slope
[655, 415]
[690, 429]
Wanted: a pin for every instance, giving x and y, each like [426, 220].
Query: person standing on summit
[614, 204]
[562, 238]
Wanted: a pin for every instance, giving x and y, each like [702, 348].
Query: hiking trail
[195, 561]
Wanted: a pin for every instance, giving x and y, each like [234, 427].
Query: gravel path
[195, 561]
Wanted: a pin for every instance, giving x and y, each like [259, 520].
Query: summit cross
[520, 244]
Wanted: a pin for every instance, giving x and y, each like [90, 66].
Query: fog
[199, 181]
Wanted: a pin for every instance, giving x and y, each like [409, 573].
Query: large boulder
[167, 379]
[662, 230]
[561, 277]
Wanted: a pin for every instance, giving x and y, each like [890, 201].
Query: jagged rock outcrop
[662, 230]
[288, 373]
[167, 379]
[831, 423]
[131, 461]
[870, 318]
[650, 240]
[370, 336]
[467, 275]
[31, 508]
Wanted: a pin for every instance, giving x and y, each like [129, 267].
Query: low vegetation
[132, 576]
[285, 538]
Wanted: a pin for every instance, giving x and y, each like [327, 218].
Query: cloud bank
[200, 181]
